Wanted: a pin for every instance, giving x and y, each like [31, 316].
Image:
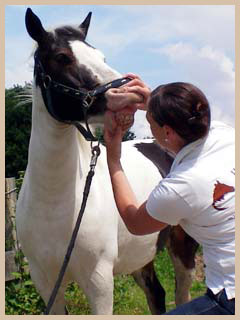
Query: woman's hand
[122, 103]
[134, 93]
[115, 126]
[119, 98]
[137, 86]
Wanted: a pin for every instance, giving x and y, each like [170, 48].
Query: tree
[17, 130]
[129, 135]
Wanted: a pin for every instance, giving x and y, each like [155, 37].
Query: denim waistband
[217, 295]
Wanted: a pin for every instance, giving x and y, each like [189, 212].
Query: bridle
[86, 97]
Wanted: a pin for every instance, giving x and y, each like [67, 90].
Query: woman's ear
[167, 131]
[173, 140]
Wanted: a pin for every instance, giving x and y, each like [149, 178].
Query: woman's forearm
[135, 216]
[124, 196]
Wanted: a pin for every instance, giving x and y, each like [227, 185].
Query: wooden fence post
[10, 230]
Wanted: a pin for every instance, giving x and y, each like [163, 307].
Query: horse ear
[34, 27]
[85, 24]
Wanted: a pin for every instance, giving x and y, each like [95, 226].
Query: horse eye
[63, 59]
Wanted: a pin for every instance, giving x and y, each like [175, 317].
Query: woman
[199, 191]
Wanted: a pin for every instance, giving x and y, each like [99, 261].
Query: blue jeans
[208, 304]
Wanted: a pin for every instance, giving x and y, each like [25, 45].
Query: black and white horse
[58, 163]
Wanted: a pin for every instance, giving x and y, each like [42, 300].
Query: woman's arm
[135, 216]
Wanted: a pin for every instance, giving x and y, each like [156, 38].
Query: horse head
[64, 57]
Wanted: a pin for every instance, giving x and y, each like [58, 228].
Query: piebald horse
[58, 163]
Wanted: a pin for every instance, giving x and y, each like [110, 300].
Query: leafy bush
[17, 131]
[20, 294]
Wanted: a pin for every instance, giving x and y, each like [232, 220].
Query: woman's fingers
[123, 119]
[132, 76]
[141, 91]
[118, 99]
[136, 85]
[144, 92]
[136, 81]
[135, 93]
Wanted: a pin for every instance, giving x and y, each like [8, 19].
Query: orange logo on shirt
[219, 192]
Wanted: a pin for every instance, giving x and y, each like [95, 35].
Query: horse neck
[56, 155]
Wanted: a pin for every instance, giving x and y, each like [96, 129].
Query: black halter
[86, 97]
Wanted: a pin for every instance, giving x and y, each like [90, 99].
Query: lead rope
[95, 154]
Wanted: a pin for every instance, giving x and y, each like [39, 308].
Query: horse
[58, 161]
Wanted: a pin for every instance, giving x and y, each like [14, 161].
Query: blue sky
[160, 43]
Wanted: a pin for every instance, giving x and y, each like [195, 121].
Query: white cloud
[202, 24]
[211, 70]
[18, 74]
[18, 67]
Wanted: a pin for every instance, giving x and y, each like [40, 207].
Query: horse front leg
[44, 285]
[98, 285]
[182, 249]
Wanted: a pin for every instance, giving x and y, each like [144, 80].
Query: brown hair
[183, 107]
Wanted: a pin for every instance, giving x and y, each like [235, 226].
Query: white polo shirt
[199, 194]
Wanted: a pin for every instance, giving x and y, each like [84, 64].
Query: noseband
[86, 97]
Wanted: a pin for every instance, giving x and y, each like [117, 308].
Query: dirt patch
[199, 267]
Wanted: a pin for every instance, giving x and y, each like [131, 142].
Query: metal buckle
[47, 81]
[95, 154]
[88, 101]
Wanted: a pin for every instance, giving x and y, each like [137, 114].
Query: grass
[129, 299]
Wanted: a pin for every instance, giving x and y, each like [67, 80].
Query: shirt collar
[186, 151]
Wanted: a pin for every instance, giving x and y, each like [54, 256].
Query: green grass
[129, 299]
[22, 298]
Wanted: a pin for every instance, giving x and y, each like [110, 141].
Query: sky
[160, 43]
